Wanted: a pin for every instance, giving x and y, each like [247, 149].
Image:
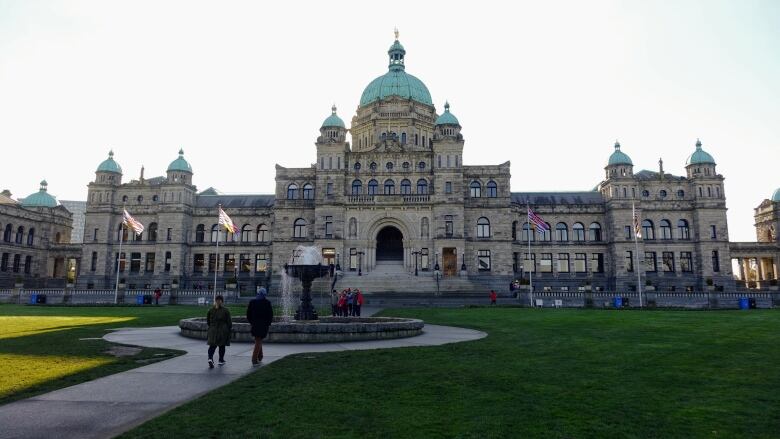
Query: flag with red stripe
[637, 225]
[540, 225]
[132, 223]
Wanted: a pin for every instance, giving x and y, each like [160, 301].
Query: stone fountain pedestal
[307, 274]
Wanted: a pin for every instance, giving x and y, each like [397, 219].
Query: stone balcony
[388, 199]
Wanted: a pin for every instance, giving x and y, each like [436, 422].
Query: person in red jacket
[358, 303]
[493, 297]
[342, 304]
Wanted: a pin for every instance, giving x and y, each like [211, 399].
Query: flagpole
[119, 255]
[530, 261]
[216, 262]
[118, 260]
[636, 247]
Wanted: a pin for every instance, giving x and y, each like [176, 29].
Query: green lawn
[539, 373]
[41, 347]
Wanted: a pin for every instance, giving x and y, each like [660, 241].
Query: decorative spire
[181, 152]
[661, 166]
[111, 154]
[698, 144]
[44, 185]
[333, 109]
[447, 106]
[396, 33]
[617, 145]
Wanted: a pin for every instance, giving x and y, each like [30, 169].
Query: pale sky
[243, 86]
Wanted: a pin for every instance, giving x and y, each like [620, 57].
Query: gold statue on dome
[396, 33]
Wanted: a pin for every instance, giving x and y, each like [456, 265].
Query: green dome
[776, 195]
[109, 165]
[619, 157]
[699, 156]
[447, 118]
[180, 164]
[333, 120]
[40, 198]
[396, 82]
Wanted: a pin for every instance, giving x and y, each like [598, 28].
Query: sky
[242, 86]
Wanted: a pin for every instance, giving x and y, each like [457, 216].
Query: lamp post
[360, 263]
[415, 253]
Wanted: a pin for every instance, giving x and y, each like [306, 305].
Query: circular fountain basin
[324, 330]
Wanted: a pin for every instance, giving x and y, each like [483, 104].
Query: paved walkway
[111, 405]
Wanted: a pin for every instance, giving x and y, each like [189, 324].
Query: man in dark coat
[259, 314]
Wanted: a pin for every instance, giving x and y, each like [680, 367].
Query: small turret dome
[700, 156]
[333, 120]
[619, 157]
[447, 118]
[42, 198]
[776, 195]
[109, 165]
[180, 164]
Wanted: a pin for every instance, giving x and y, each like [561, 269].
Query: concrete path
[111, 405]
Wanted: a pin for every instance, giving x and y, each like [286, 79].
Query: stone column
[746, 268]
[759, 268]
[741, 270]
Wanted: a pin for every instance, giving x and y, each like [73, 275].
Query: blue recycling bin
[33, 299]
[618, 302]
[139, 299]
[743, 303]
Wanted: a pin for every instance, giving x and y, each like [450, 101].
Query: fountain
[308, 327]
[306, 265]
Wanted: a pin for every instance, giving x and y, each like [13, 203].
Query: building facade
[35, 249]
[399, 199]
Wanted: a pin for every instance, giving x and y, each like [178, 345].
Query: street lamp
[415, 253]
[360, 263]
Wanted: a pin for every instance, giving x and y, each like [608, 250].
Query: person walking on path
[493, 297]
[220, 325]
[358, 302]
[260, 315]
[334, 303]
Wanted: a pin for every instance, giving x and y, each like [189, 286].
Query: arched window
[422, 186]
[645, 194]
[357, 187]
[31, 236]
[561, 232]
[389, 166]
[514, 230]
[403, 138]
[7, 233]
[262, 233]
[215, 229]
[199, 232]
[389, 187]
[578, 232]
[357, 166]
[372, 166]
[19, 234]
[680, 193]
[545, 235]
[299, 228]
[595, 232]
[121, 232]
[682, 228]
[648, 232]
[475, 189]
[308, 191]
[492, 189]
[421, 165]
[483, 228]
[372, 185]
[406, 187]
[246, 233]
[666, 229]
[152, 236]
[528, 233]
[292, 191]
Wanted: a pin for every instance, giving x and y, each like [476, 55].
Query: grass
[43, 348]
[539, 373]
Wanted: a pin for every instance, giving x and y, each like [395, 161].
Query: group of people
[347, 303]
[259, 314]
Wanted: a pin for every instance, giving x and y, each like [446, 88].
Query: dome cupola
[776, 195]
[42, 198]
[396, 82]
[180, 165]
[447, 118]
[109, 165]
[700, 156]
[333, 120]
[618, 157]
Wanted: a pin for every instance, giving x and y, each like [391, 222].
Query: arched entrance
[389, 244]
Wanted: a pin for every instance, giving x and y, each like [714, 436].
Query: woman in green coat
[220, 324]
